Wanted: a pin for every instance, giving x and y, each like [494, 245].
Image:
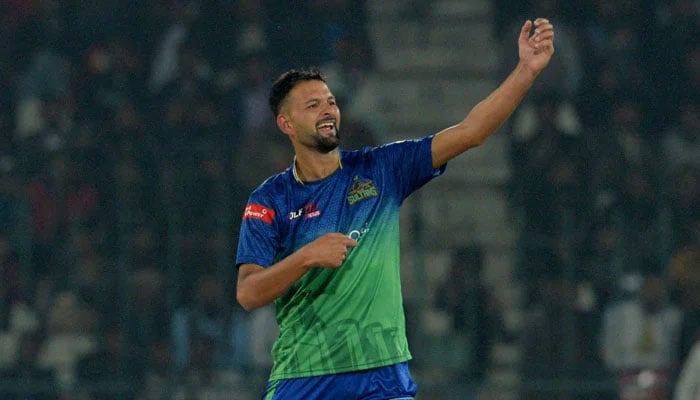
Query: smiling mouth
[326, 126]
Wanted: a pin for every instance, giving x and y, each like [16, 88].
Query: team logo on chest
[308, 211]
[362, 189]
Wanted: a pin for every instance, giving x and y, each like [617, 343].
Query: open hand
[536, 49]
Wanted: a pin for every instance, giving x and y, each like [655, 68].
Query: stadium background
[132, 133]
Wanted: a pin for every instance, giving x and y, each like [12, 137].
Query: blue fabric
[384, 383]
[267, 238]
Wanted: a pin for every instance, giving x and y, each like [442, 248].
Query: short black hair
[286, 82]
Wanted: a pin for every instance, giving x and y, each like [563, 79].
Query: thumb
[525, 31]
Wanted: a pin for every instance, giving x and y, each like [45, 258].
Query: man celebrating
[321, 239]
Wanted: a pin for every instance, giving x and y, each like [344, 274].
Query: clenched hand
[329, 250]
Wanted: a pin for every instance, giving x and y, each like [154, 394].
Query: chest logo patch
[308, 211]
[362, 189]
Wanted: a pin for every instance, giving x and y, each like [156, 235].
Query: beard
[326, 144]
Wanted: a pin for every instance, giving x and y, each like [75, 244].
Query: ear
[285, 125]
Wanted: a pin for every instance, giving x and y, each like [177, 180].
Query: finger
[544, 29]
[541, 25]
[525, 31]
[546, 43]
[350, 242]
[336, 235]
[544, 36]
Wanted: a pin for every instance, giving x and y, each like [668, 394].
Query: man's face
[313, 115]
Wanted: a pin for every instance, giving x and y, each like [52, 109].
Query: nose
[327, 108]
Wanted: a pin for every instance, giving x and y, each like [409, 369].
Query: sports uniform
[346, 322]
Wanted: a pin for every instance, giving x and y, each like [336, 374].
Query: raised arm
[534, 50]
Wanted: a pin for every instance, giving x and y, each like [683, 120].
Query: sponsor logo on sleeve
[260, 212]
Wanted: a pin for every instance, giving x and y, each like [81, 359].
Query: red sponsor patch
[257, 211]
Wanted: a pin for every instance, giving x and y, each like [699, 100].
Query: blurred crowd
[131, 134]
[605, 154]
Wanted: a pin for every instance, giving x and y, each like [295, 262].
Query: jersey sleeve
[409, 163]
[259, 237]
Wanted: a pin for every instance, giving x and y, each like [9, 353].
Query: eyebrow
[316, 99]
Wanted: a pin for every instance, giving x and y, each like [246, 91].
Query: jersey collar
[296, 173]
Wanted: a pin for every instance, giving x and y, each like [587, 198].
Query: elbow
[246, 300]
[248, 295]
[474, 135]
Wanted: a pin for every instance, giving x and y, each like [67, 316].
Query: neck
[313, 167]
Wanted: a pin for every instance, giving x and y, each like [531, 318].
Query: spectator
[146, 315]
[352, 73]
[115, 76]
[681, 141]
[251, 26]
[684, 276]
[559, 340]
[168, 59]
[625, 176]
[201, 378]
[44, 67]
[250, 168]
[332, 21]
[113, 372]
[550, 181]
[640, 209]
[642, 333]
[688, 385]
[129, 178]
[27, 372]
[86, 267]
[10, 289]
[622, 145]
[549, 159]
[683, 206]
[473, 310]
[59, 198]
[159, 373]
[209, 317]
[70, 329]
[677, 26]
[263, 333]
[311, 40]
[604, 266]
[254, 88]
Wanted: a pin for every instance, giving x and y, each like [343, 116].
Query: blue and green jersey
[350, 318]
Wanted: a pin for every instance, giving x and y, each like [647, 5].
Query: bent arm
[484, 119]
[258, 286]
